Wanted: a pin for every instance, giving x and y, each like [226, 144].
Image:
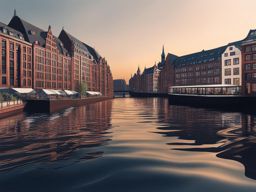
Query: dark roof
[76, 42]
[13, 33]
[149, 70]
[61, 47]
[200, 57]
[93, 52]
[238, 44]
[32, 33]
[250, 37]
[171, 58]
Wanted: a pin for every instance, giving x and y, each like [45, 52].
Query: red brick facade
[34, 58]
[15, 60]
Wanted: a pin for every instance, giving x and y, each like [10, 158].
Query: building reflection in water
[229, 135]
[30, 139]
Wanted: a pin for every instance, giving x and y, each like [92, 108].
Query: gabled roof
[31, 33]
[149, 70]
[76, 42]
[93, 52]
[14, 32]
[171, 58]
[61, 47]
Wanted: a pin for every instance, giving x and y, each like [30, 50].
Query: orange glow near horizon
[131, 33]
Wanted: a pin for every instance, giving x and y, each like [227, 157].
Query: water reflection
[128, 145]
[37, 138]
[229, 135]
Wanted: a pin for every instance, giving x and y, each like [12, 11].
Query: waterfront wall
[11, 110]
[50, 106]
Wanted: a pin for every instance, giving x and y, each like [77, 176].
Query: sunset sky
[131, 33]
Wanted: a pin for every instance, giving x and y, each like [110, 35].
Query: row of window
[250, 57]
[228, 72]
[249, 67]
[236, 81]
[228, 62]
[250, 48]
[233, 53]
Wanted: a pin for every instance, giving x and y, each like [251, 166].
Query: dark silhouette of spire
[163, 56]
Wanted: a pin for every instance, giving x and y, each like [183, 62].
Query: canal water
[129, 145]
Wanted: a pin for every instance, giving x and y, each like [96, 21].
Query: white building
[232, 65]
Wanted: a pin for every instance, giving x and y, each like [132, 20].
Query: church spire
[14, 14]
[163, 56]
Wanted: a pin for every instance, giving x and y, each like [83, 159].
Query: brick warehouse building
[249, 63]
[50, 62]
[232, 64]
[15, 57]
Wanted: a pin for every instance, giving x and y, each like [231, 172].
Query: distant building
[120, 85]
[232, 64]
[147, 82]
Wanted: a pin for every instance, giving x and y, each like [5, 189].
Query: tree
[1, 100]
[82, 89]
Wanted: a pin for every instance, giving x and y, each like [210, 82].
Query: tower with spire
[163, 56]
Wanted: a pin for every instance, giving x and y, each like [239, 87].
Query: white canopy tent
[23, 90]
[70, 93]
[93, 93]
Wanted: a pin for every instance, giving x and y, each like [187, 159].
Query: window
[227, 81]
[254, 48]
[248, 67]
[248, 57]
[236, 81]
[236, 71]
[253, 87]
[232, 53]
[254, 75]
[230, 48]
[227, 72]
[3, 57]
[228, 62]
[226, 54]
[236, 61]
[254, 56]
[248, 76]
[254, 66]
[248, 49]
[4, 80]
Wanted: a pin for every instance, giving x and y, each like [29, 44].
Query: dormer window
[10, 33]
[20, 37]
[4, 30]
[31, 32]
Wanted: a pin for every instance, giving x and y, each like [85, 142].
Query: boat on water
[211, 96]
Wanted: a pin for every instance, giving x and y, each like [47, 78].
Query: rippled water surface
[129, 145]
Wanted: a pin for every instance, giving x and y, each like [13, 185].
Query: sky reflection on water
[129, 145]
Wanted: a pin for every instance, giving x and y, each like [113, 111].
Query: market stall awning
[23, 90]
[94, 93]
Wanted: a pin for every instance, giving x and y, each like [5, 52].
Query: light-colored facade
[232, 66]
